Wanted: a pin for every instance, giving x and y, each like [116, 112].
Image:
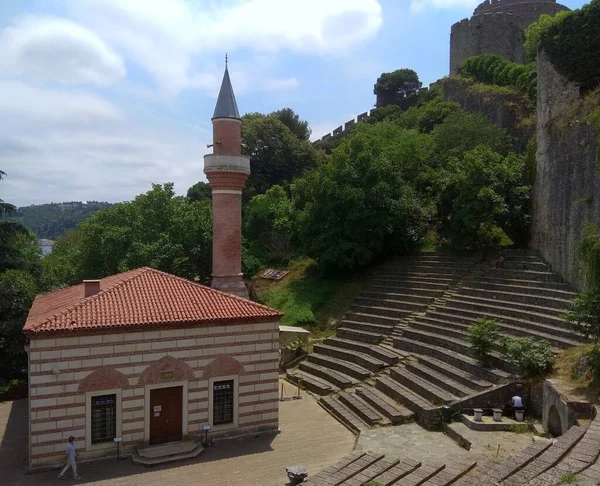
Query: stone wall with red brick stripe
[62, 369]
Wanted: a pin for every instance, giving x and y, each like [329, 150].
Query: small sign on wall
[158, 408]
[166, 375]
[157, 414]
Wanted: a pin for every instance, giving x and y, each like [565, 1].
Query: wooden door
[166, 414]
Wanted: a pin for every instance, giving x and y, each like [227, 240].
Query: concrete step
[403, 395]
[380, 311]
[311, 382]
[426, 293]
[515, 296]
[522, 274]
[367, 361]
[440, 380]
[360, 336]
[397, 472]
[453, 471]
[396, 414]
[414, 277]
[496, 279]
[465, 378]
[376, 352]
[166, 453]
[532, 289]
[343, 414]
[370, 318]
[350, 471]
[431, 284]
[404, 305]
[422, 387]
[549, 458]
[422, 272]
[463, 362]
[366, 326]
[340, 366]
[362, 409]
[520, 307]
[374, 470]
[522, 264]
[410, 295]
[420, 475]
[336, 378]
[451, 326]
[499, 309]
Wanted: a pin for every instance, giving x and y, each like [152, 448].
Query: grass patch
[310, 300]
[568, 478]
[571, 368]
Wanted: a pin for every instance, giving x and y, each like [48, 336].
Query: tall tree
[8, 228]
[292, 121]
[393, 87]
[200, 191]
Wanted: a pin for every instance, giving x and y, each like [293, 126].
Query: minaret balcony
[226, 163]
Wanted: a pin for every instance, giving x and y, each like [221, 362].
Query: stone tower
[227, 170]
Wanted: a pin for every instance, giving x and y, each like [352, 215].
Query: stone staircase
[575, 453]
[401, 350]
[358, 468]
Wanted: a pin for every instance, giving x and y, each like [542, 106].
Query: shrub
[482, 337]
[533, 358]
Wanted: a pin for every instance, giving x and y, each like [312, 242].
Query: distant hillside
[53, 219]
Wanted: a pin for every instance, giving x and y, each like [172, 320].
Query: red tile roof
[140, 298]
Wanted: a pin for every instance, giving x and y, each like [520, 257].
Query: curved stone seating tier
[406, 335]
[358, 468]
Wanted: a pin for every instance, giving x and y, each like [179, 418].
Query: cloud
[174, 41]
[418, 6]
[57, 146]
[58, 50]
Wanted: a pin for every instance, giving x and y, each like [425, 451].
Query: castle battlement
[496, 5]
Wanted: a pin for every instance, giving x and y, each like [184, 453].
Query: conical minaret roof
[226, 105]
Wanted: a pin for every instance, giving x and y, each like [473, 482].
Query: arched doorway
[554, 422]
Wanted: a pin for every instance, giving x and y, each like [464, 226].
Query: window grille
[104, 418]
[223, 402]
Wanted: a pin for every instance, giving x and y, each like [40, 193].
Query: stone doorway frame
[184, 407]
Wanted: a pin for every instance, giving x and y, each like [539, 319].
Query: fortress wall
[486, 34]
[527, 11]
[566, 192]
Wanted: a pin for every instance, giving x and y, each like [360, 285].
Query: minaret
[227, 170]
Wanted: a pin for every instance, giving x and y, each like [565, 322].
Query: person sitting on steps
[499, 261]
[515, 403]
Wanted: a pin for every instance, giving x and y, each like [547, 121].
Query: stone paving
[309, 435]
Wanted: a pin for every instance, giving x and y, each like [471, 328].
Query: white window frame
[234, 424]
[88, 419]
[184, 411]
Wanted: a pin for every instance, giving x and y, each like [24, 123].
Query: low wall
[560, 413]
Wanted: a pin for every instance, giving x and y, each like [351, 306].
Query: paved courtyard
[309, 436]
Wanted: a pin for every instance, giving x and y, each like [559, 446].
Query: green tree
[156, 229]
[200, 191]
[277, 155]
[8, 228]
[291, 120]
[18, 288]
[482, 337]
[269, 224]
[359, 207]
[392, 87]
[481, 191]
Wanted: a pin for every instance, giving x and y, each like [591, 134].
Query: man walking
[70, 451]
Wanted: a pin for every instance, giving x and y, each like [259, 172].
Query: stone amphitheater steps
[456, 374]
[421, 475]
[544, 289]
[388, 303]
[514, 296]
[361, 336]
[422, 290]
[451, 473]
[400, 296]
[327, 375]
[549, 458]
[440, 380]
[366, 326]
[366, 361]
[383, 311]
[343, 414]
[560, 335]
[370, 318]
[395, 413]
[411, 283]
[311, 382]
[422, 387]
[462, 362]
[362, 409]
[340, 366]
[458, 345]
[375, 351]
[520, 275]
[469, 301]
